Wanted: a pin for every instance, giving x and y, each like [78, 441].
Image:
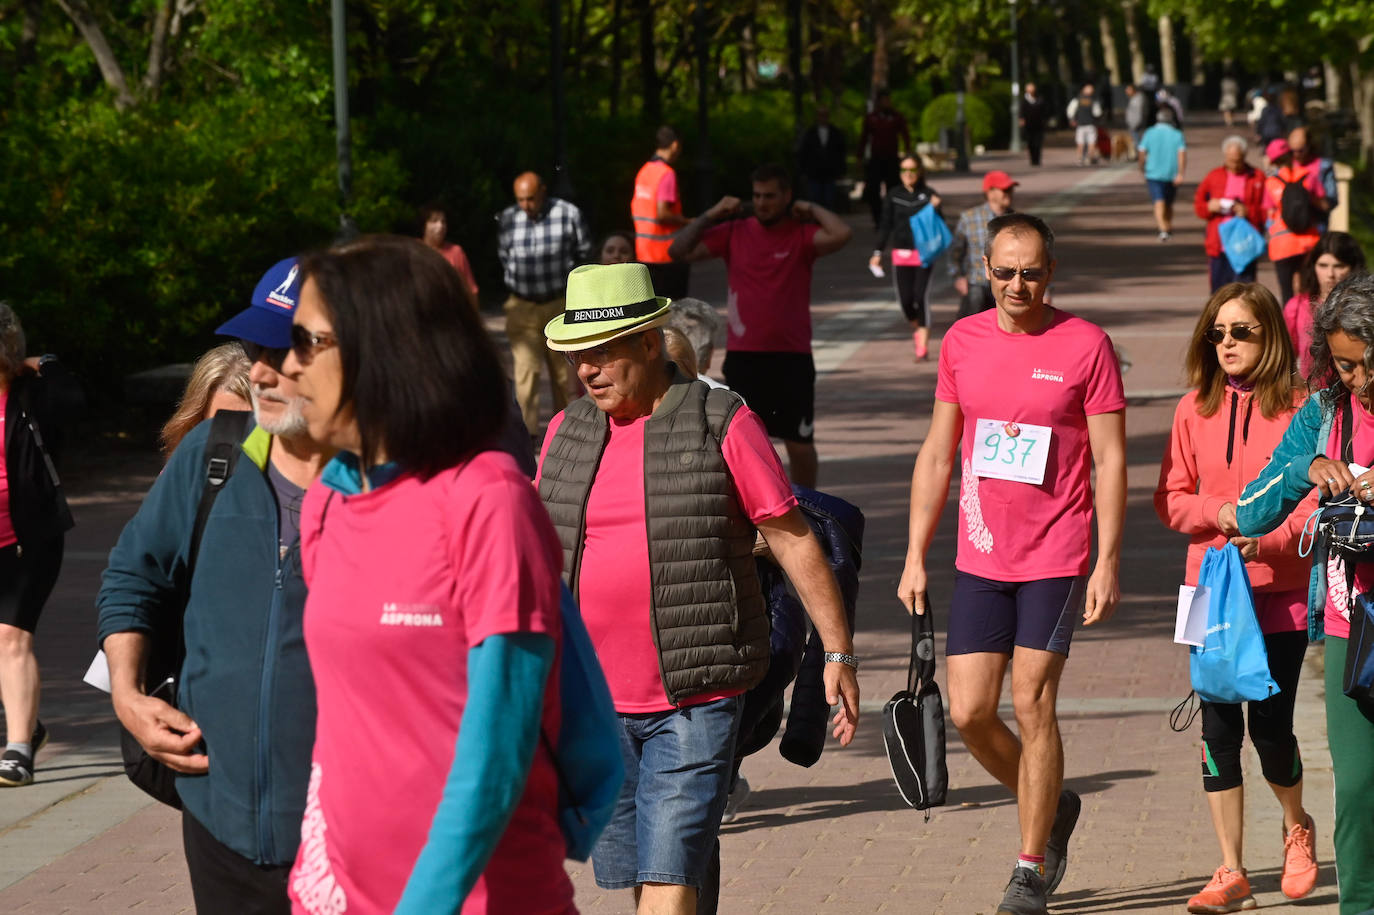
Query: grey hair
[699, 323]
[12, 344]
[1349, 309]
[1235, 139]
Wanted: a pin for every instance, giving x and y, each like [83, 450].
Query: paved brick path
[835, 837]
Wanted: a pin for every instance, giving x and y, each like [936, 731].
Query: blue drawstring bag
[1232, 665]
[586, 755]
[930, 233]
[1241, 242]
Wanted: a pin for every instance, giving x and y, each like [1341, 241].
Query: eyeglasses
[910, 170]
[596, 355]
[273, 356]
[1239, 333]
[1029, 274]
[306, 343]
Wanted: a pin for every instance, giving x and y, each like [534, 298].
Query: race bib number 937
[1004, 450]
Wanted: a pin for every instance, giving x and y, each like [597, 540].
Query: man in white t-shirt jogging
[1031, 397]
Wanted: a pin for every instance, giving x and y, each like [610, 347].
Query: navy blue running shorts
[994, 616]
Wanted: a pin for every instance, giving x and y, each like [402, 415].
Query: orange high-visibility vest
[652, 237]
[1283, 241]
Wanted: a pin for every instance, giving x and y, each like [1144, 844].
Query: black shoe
[16, 770]
[1057, 850]
[39, 739]
[1025, 894]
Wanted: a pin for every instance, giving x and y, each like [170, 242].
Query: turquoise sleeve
[1269, 498]
[506, 679]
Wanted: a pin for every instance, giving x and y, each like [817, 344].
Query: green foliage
[943, 111]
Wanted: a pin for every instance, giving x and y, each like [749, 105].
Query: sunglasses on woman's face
[1239, 332]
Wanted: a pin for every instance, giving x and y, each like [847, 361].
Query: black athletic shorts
[27, 577]
[995, 616]
[780, 388]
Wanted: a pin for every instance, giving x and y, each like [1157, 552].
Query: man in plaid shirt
[541, 239]
[970, 241]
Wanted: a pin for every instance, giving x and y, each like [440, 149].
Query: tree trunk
[28, 35]
[1199, 66]
[748, 55]
[1337, 87]
[615, 56]
[794, 60]
[1168, 65]
[1085, 51]
[1063, 66]
[881, 67]
[1128, 10]
[157, 48]
[1362, 91]
[1110, 59]
[651, 103]
[705, 167]
[113, 74]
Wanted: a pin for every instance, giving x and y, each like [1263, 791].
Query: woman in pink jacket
[1240, 363]
[1336, 256]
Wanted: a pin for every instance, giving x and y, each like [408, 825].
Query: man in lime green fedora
[657, 485]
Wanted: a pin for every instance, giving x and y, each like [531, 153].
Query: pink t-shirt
[1297, 314]
[404, 580]
[455, 256]
[7, 536]
[1058, 377]
[1337, 621]
[667, 187]
[769, 272]
[613, 584]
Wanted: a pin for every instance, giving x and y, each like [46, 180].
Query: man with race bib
[1030, 398]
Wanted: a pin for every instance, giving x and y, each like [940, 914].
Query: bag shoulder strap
[26, 407]
[922, 668]
[222, 449]
[1347, 431]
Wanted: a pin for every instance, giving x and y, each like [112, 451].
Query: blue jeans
[678, 766]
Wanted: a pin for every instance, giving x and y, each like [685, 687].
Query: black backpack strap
[222, 449]
[1347, 430]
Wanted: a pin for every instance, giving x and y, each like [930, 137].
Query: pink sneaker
[922, 351]
[1299, 860]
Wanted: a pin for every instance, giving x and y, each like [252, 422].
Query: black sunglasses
[1029, 274]
[272, 355]
[1239, 332]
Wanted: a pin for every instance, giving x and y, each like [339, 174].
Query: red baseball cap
[998, 179]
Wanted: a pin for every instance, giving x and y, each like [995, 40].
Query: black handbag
[914, 724]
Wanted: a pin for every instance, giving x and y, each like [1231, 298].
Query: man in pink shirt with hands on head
[657, 486]
[1032, 398]
[769, 255]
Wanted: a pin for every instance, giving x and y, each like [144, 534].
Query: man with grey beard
[237, 722]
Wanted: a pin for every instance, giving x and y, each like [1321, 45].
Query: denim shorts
[1161, 190]
[678, 766]
[993, 616]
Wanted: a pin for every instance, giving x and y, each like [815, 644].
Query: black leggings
[1284, 271]
[913, 293]
[1271, 724]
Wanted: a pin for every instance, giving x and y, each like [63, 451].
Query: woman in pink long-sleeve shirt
[1240, 363]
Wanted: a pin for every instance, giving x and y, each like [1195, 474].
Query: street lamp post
[344, 138]
[1015, 83]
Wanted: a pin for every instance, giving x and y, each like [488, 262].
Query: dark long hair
[1348, 309]
[1273, 376]
[419, 370]
[1339, 245]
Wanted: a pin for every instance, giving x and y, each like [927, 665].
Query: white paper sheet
[1190, 628]
[98, 674]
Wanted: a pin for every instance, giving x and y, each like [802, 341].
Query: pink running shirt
[403, 581]
[455, 256]
[1337, 621]
[1013, 531]
[613, 585]
[7, 536]
[769, 272]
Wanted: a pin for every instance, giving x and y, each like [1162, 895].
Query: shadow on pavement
[1158, 896]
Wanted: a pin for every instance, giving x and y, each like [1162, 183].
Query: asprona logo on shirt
[411, 615]
[1039, 374]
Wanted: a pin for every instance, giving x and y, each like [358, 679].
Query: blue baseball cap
[267, 319]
